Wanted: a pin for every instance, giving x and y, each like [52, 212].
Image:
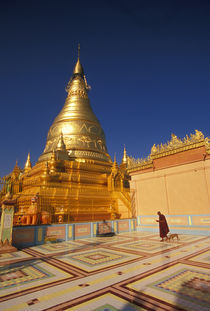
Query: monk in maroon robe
[163, 226]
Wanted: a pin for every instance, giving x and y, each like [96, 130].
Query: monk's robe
[163, 226]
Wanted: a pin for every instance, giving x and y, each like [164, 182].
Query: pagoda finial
[28, 163]
[78, 69]
[16, 171]
[78, 50]
[114, 165]
[16, 167]
[124, 159]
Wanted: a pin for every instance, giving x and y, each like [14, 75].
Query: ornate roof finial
[16, 167]
[114, 165]
[124, 159]
[78, 50]
[78, 69]
[28, 163]
[16, 171]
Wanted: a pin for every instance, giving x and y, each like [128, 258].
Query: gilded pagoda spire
[124, 159]
[61, 145]
[78, 69]
[82, 133]
[124, 162]
[16, 167]
[28, 165]
[16, 171]
[115, 165]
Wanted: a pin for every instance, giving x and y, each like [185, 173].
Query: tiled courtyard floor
[130, 271]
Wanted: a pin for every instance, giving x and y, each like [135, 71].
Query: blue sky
[148, 63]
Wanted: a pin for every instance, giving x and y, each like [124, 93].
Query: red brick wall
[180, 158]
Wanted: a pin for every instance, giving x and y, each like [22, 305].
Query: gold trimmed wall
[174, 179]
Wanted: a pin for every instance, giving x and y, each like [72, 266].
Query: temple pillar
[7, 225]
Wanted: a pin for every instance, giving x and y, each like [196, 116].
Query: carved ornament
[133, 163]
[173, 146]
[176, 145]
[79, 93]
[207, 145]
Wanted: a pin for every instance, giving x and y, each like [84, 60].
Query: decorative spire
[16, 171]
[28, 163]
[61, 151]
[53, 163]
[115, 162]
[78, 69]
[61, 145]
[78, 50]
[16, 167]
[124, 159]
[114, 166]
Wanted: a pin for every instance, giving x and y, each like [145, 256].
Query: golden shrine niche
[74, 178]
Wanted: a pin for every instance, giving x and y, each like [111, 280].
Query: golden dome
[81, 131]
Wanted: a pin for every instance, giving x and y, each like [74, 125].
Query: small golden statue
[154, 149]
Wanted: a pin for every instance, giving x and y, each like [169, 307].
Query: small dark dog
[171, 237]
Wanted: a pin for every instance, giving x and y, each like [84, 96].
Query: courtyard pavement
[127, 272]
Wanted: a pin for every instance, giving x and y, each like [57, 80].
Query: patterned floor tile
[204, 257]
[107, 302]
[190, 238]
[53, 248]
[146, 246]
[184, 238]
[13, 256]
[24, 275]
[109, 278]
[109, 239]
[138, 234]
[182, 285]
[96, 259]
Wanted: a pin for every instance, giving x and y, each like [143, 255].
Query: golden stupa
[74, 178]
